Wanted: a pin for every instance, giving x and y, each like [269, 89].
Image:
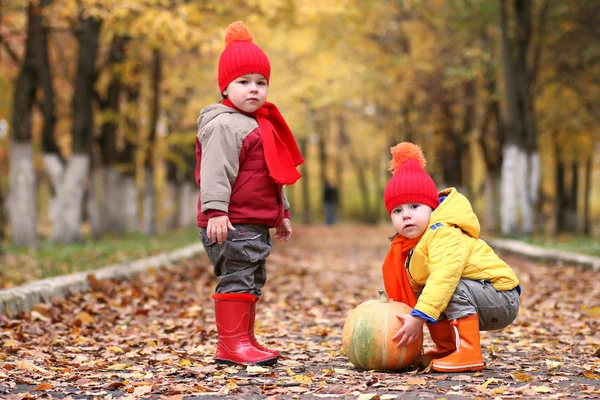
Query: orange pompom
[403, 152]
[237, 32]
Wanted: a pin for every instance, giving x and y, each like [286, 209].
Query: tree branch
[12, 53]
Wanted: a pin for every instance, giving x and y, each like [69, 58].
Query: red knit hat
[410, 183]
[241, 56]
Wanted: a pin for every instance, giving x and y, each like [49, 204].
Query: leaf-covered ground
[154, 337]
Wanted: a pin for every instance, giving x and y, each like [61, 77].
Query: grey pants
[496, 309]
[240, 261]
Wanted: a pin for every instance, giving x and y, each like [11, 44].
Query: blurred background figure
[330, 201]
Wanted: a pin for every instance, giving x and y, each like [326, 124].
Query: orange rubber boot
[232, 314]
[441, 334]
[467, 356]
[251, 331]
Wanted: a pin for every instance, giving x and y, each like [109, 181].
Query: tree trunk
[491, 137]
[359, 169]
[510, 150]
[587, 223]
[52, 158]
[524, 177]
[149, 210]
[491, 196]
[594, 202]
[508, 208]
[92, 207]
[149, 218]
[49, 145]
[169, 206]
[520, 125]
[127, 158]
[22, 212]
[451, 152]
[77, 174]
[55, 170]
[21, 202]
[130, 204]
[407, 107]
[321, 129]
[70, 200]
[524, 78]
[574, 198]
[559, 201]
[306, 209]
[110, 104]
[187, 205]
[110, 178]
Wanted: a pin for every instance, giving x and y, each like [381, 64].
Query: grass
[571, 243]
[21, 265]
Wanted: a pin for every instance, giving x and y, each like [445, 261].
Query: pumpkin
[368, 332]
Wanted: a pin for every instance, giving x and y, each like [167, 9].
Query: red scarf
[395, 277]
[281, 151]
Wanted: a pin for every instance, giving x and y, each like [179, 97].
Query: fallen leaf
[254, 369]
[25, 365]
[416, 381]
[591, 375]
[84, 318]
[118, 367]
[142, 390]
[552, 365]
[542, 389]
[44, 386]
[303, 379]
[522, 377]
[488, 382]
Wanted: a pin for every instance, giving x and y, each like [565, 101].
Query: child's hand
[410, 331]
[284, 231]
[217, 228]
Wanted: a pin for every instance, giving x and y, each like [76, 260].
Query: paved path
[153, 335]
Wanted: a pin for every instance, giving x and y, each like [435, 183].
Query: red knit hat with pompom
[241, 56]
[409, 183]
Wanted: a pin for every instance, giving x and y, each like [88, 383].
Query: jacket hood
[456, 209]
[210, 112]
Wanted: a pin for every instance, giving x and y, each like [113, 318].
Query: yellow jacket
[450, 250]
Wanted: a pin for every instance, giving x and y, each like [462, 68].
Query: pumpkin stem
[383, 297]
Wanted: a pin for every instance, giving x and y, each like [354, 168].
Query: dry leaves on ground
[154, 336]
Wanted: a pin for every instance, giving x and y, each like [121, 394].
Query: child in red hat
[245, 154]
[437, 264]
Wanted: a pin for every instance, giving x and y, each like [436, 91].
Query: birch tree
[520, 176]
[72, 189]
[21, 204]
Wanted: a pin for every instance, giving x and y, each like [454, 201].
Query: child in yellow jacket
[460, 285]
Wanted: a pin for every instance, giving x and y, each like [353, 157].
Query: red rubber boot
[232, 314]
[251, 331]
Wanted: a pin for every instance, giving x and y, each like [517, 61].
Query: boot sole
[458, 368]
[268, 362]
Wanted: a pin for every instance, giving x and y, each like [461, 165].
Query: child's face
[411, 219]
[248, 92]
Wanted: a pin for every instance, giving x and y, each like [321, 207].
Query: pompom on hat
[241, 56]
[409, 183]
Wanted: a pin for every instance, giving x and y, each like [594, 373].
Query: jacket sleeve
[286, 203]
[447, 256]
[219, 166]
